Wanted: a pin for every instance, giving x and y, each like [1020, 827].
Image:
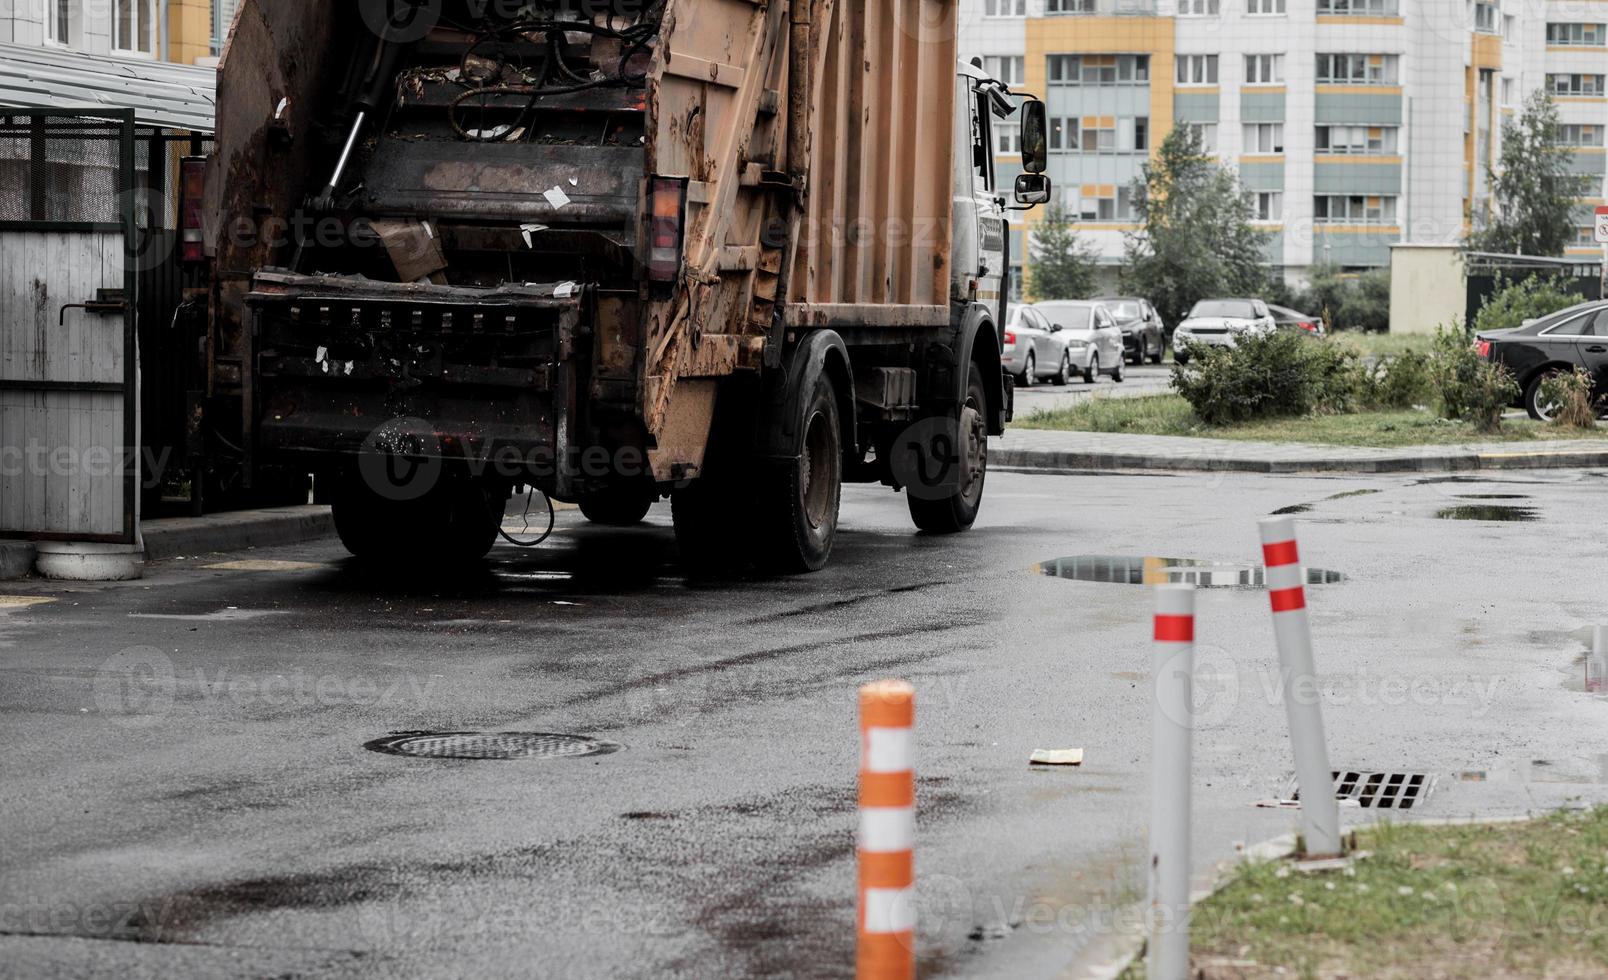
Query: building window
[1580, 134]
[1585, 235]
[1577, 35]
[1004, 8]
[1099, 69]
[134, 26]
[1197, 69]
[1575, 84]
[1141, 133]
[1485, 18]
[1266, 205]
[1010, 69]
[1064, 136]
[1264, 69]
[1197, 8]
[1358, 8]
[1007, 138]
[1097, 202]
[1264, 7]
[58, 21]
[1353, 209]
[1069, 6]
[1207, 132]
[1099, 134]
[1358, 69]
[1264, 137]
[1356, 140]
[223, 12]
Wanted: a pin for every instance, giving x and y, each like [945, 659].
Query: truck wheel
[957, 509]
[454, 522]
[616, 508]
[798, 503]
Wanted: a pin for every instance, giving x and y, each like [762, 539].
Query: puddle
[1292, 509]
[1540, 771]
[1119, 570]
[1486, 512]
[1493, 496]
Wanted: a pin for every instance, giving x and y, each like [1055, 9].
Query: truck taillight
[667, 213]
[192, 188]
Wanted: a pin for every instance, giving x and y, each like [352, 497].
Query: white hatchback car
[1093, 339]
[1220, 323]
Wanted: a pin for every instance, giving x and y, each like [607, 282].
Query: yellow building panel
[1108, 35]
[189, 30]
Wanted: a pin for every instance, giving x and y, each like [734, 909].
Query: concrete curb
[173, 537]
[1208, 461]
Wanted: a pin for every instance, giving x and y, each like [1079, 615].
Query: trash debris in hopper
[1056, 757]
[556, 196]
[1151, 570]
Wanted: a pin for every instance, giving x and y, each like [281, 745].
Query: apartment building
[184, 32]
[1353, 124]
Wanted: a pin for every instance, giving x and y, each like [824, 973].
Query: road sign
[1602, 225]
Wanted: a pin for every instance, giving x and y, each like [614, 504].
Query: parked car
[1288, 319]
[1569, 338]
[1032, 351]
[1089, 331]
[1220, 323]
[1144, 336]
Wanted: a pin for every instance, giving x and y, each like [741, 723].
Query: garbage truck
[735, 253]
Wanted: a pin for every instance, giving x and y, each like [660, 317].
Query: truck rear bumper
[347, 367]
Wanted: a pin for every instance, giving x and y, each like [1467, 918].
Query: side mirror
[1035, 138]
[1032, 189]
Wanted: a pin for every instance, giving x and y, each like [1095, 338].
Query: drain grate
[1377, 790]
[491, 745]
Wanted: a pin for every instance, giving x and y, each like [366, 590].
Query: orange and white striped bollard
[886, 940]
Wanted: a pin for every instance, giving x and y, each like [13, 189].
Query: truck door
[990, 209]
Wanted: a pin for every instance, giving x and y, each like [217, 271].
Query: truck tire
[454, 523]
[798, 500]
[625, 507]
[957, 510]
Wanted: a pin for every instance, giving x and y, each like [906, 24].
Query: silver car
[1091, 335]
[1220, 323]
[1033, 351]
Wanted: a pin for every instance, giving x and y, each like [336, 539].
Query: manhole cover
[491, 745]
[1124, 570]
[1377, 790]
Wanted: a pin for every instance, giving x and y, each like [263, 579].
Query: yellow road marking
[23, 601]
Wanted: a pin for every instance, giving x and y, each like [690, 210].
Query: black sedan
[1144, 336]
[1575, 337]
[1289, 319]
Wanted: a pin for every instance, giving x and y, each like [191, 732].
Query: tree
[1062, 263]
[1195, 239]
[1533, 191]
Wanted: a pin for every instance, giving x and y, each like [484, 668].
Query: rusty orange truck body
[733, 252]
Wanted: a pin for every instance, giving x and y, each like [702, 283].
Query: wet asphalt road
[187, 793]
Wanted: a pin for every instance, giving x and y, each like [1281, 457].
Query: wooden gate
[69, 438]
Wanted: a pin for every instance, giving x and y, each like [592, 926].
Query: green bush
[1399, 382]
[1345, 301]
[1514, 302]
[1569, 394]
[1278, 375]
[1470, 388]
